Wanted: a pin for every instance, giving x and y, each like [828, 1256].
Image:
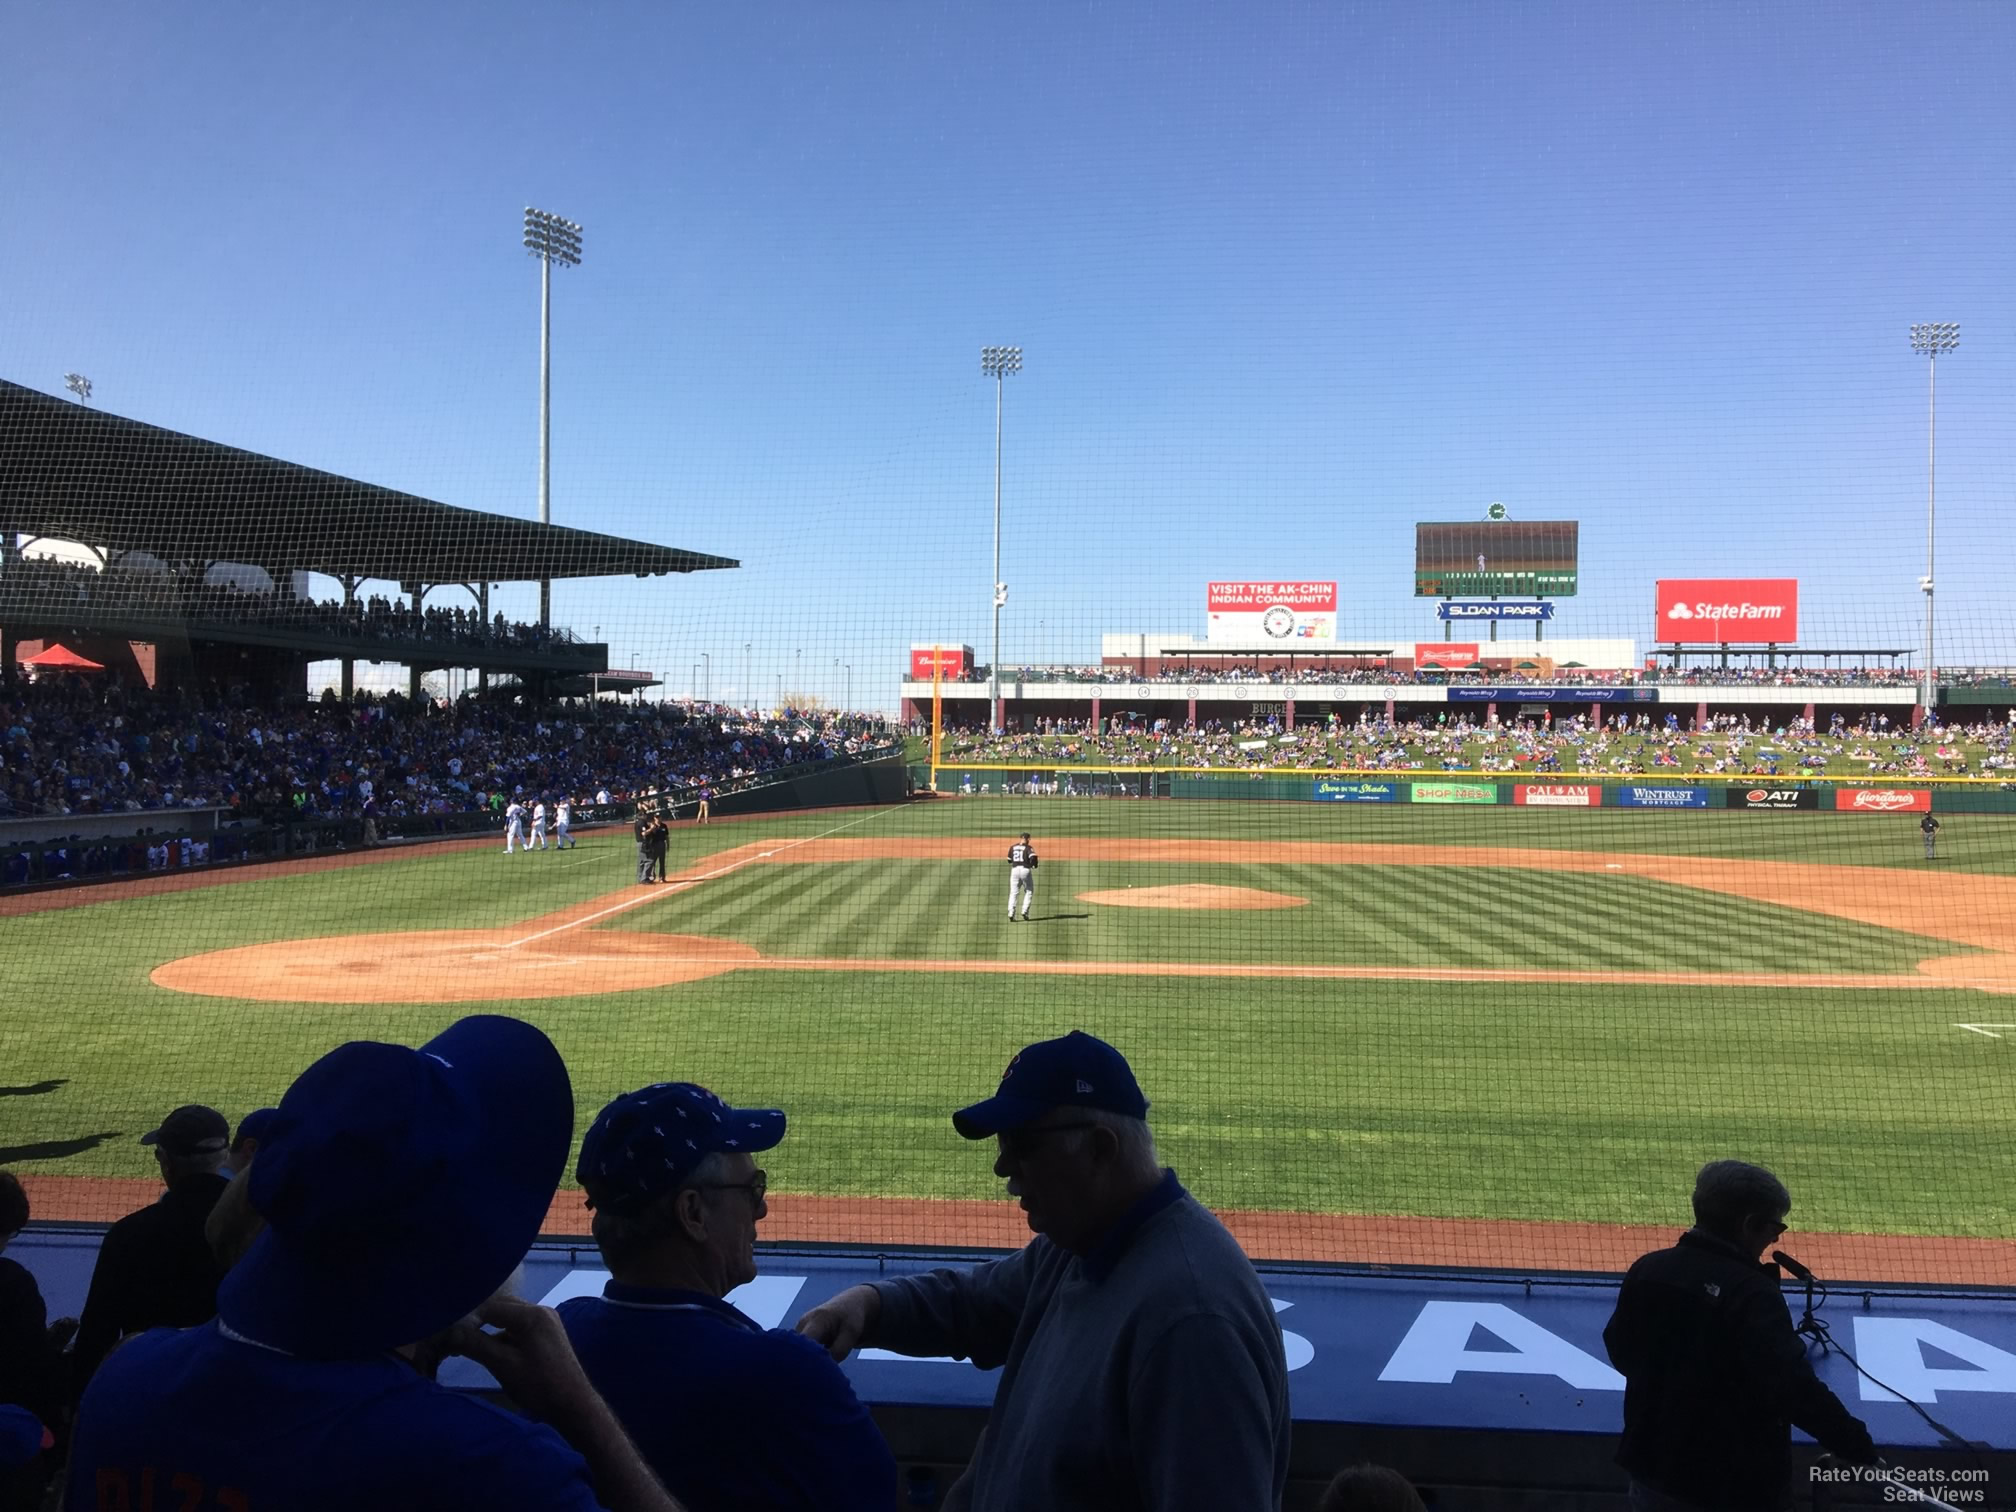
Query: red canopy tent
[54, 658]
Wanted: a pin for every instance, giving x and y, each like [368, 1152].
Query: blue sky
[1289, 277]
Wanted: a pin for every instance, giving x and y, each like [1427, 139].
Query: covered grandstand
[196, 555]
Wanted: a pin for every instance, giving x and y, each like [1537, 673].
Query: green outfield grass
[1383, 1097]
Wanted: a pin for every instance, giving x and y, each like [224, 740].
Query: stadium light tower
[79, 385]
[997, 363]
[552, 240]
[1931, 340]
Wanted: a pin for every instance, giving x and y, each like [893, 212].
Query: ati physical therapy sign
[1721, 610]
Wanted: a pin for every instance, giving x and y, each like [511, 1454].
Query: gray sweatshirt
[1150, 1375]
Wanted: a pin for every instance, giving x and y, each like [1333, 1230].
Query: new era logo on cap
[1075, 1071]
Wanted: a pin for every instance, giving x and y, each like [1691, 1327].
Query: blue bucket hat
[646, 1143]
[1077, 1071]
[400, 1188]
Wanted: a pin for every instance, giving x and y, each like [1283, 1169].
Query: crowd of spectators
[39, 591]
[1622, 677]
[1877, 744]
[73, 747]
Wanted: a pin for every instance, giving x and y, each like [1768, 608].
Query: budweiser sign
[1445, 653]
[1728, 609]
[1882, 800]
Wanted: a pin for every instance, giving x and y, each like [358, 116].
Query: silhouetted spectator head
[1370, 1488]
[13, 1207]
[398, 1188]
[1742, 1203]
[1073, 1142]
[192, 1141]
[251, 1129]
[670, 1171]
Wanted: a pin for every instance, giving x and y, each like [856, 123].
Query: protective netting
[1452, 905]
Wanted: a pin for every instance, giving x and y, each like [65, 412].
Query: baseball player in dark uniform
[1929, 827]
[1022, 865]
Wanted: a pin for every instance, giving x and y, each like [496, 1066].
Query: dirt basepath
[1482, 1243]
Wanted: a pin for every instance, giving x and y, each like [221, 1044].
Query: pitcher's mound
[1193, 895]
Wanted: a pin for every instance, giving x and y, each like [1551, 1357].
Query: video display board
[1503, 558]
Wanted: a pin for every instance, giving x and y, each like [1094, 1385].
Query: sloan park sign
[1500, 1352]
[1471, 609]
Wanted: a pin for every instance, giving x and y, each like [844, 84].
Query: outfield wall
[1876, 795]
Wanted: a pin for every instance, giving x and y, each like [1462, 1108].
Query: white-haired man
[1143, 1365]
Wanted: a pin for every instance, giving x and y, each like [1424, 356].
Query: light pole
[848, 706]
[748, 689]
[79, 385]
[552, 240]
[997, 363]
[1931, 340]
[707, 662]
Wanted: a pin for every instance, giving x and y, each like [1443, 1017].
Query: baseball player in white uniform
[514, 827]
[563, 821]
[538, 825]
[1022, 865]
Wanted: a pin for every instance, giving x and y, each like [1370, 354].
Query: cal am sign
[1716, 610]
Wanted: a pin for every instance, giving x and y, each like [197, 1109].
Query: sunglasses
[755, 1186]
[1019, 1144]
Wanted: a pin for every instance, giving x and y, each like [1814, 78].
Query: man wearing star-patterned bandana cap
[729, 1414]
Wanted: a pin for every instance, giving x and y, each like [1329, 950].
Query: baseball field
[1370, 1033]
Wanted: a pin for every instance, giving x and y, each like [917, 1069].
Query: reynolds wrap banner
[1518, 694]
[1662, 797]
[1883, 800]
[1356, 792]
[1454, 792]
[1727, 609]
[1773, 798]
[1543, 610]
[1557, 795]
[1445, 654]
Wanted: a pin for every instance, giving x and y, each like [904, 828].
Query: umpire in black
[1715, 1376]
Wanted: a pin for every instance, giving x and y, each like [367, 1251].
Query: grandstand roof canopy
[74, 473]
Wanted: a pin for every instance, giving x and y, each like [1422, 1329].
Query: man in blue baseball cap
[1142, 1363]
[395, 1192]
[729, 1414]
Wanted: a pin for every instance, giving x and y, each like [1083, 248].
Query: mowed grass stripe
[1365, 915]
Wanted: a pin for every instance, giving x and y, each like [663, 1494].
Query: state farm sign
[1728, 609]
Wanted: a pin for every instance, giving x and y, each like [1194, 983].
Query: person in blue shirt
[731, 1415]
[394, 1194]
